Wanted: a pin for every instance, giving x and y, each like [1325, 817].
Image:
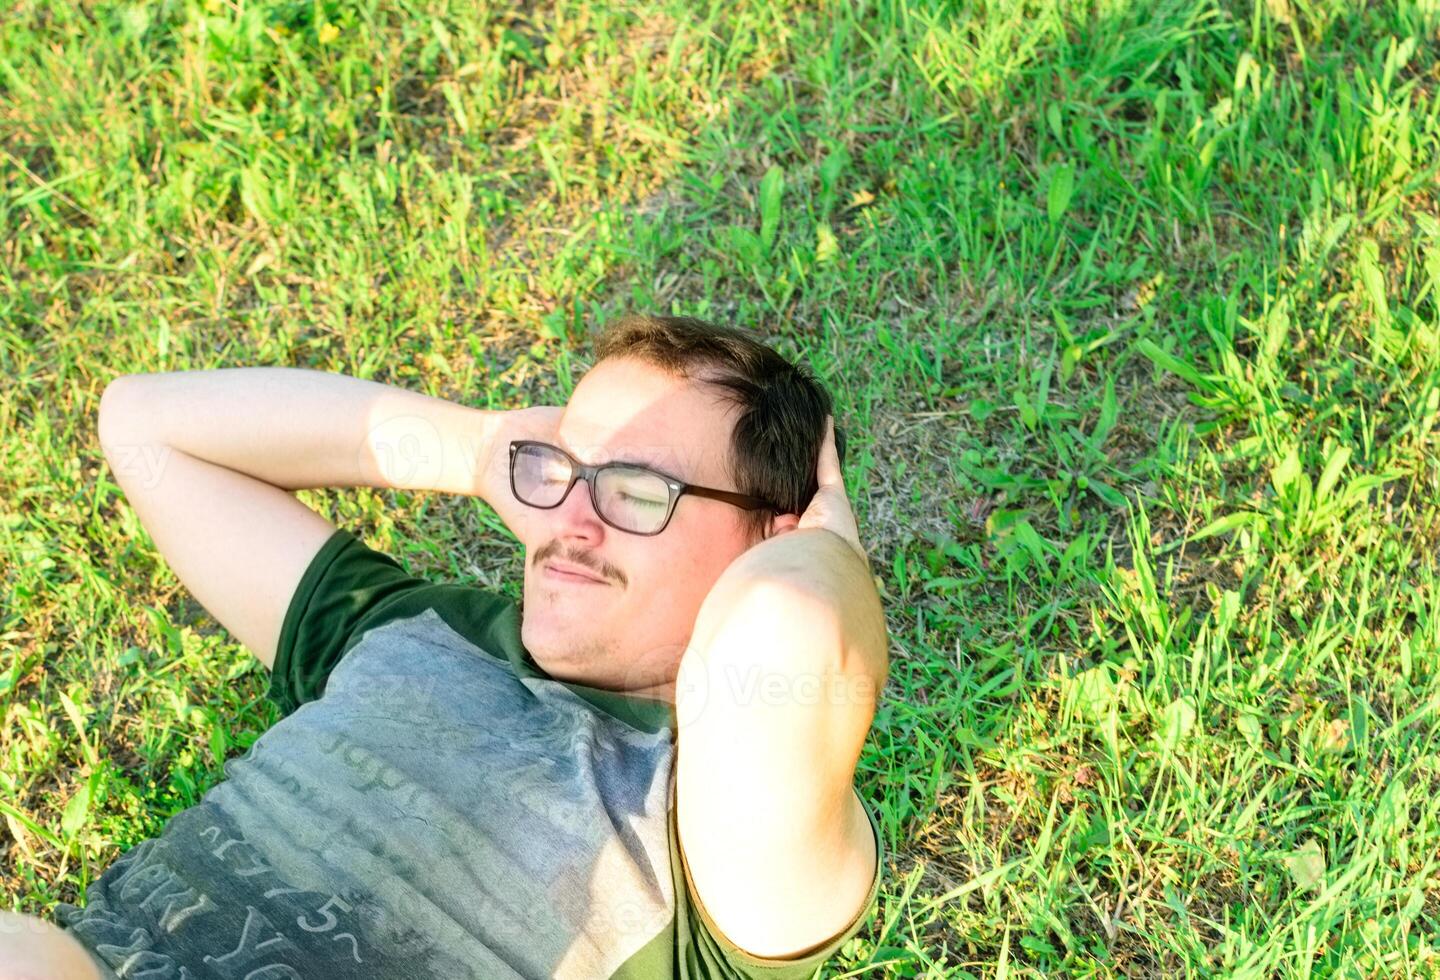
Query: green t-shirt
[432, 804]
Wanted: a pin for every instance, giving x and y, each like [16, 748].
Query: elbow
[846, 621]
[781, 629]
[785, 621]
[122, 411]
[842, 613]
[109, 415]
[818, 607]
[131, 451]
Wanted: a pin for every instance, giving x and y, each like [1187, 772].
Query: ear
[781, 523]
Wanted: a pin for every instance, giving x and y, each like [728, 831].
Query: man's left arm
[774, 698]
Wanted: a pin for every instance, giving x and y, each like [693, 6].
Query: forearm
[301, 429]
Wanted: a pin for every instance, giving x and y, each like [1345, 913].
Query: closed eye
[642, 501]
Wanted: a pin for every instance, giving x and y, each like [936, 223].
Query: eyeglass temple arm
[738, 499]
[755, 503]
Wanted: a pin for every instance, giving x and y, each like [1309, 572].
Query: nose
[576, 519]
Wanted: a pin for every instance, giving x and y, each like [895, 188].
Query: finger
[839, 520]
[827, 470]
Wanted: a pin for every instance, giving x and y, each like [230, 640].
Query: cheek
[693, 567]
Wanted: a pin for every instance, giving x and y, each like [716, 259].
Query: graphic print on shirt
[431, 815]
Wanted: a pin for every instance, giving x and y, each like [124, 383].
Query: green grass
[1131, 309]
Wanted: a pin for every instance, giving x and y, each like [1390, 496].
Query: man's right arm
[209, 461]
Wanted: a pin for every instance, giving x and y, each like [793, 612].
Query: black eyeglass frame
[677, 487]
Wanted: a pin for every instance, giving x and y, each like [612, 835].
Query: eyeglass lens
[630, 498]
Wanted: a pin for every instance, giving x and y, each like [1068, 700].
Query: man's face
[628, 631]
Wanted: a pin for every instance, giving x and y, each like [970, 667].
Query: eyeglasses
[626, 497]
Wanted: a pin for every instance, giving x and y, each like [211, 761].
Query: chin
[558, 638]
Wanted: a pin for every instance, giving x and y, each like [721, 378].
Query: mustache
[604, 569]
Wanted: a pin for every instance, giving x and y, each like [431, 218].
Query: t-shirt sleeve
[719, 957]
[347, 589]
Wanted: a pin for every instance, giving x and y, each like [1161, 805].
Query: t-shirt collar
[647, 714]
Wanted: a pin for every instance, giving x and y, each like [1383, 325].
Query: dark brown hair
[782, 407]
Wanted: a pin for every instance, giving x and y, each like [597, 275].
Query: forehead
[627, 410]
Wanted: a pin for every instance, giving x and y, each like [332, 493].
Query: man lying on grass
[646, 773]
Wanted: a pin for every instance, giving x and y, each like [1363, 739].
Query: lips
[564, 572]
